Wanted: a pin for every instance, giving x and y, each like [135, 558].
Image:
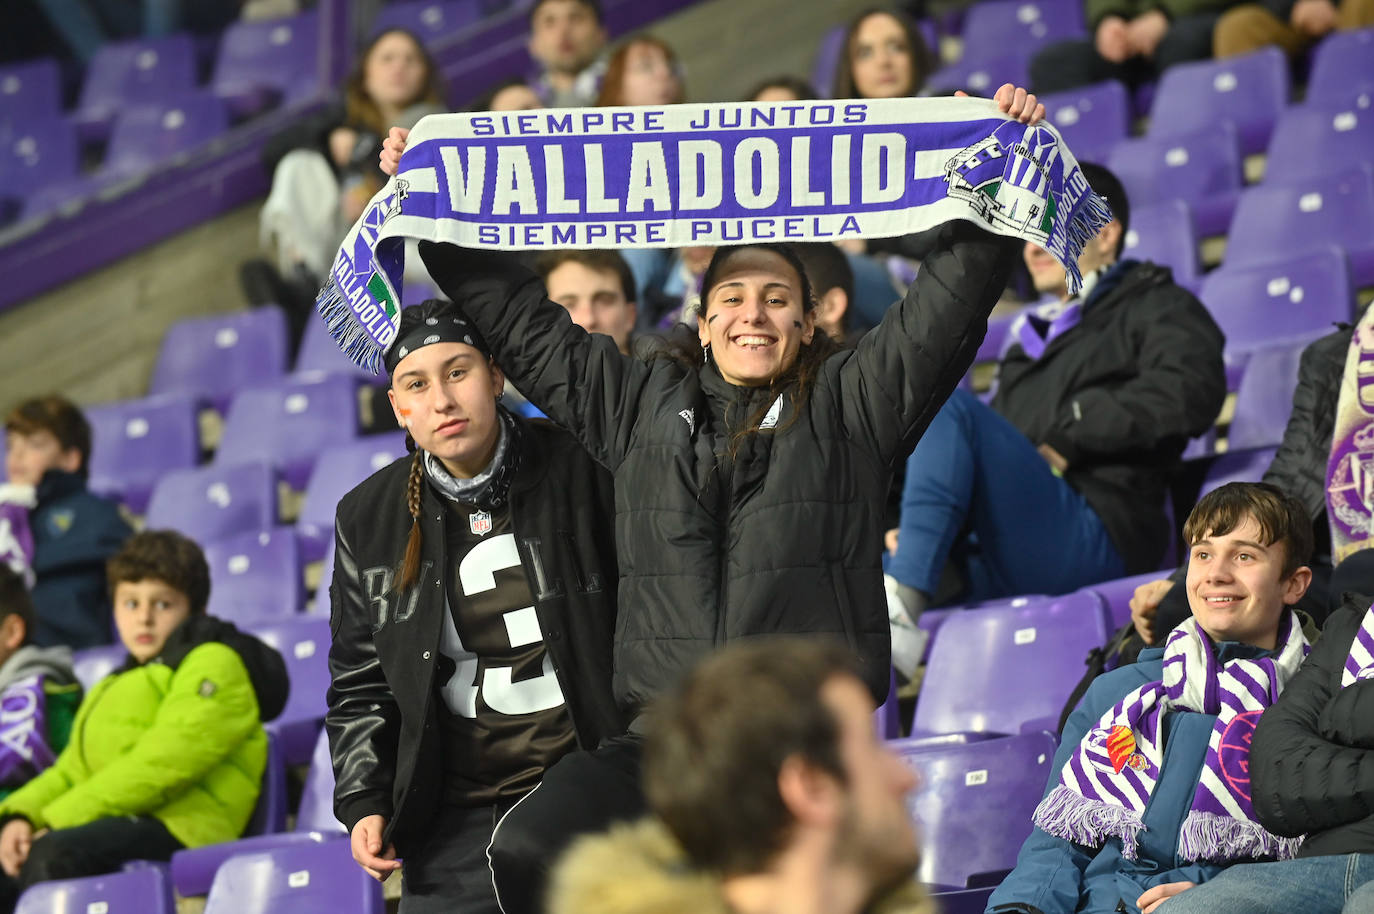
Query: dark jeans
[1031, 532]
[103, 846]
[451, 873]
[1068, 64]
[583, 793]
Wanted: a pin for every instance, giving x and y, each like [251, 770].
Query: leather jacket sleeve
[363, 720]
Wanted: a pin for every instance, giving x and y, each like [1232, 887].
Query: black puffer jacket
[1119, 396]
[785, 538]
[382, 723]
[1312, 759]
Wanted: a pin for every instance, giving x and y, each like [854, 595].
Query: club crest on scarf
[1119, 742]
[704, 175]
[1350, 470]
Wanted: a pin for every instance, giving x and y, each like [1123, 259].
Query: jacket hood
[640, 869]
[53, 662]
[265, 666]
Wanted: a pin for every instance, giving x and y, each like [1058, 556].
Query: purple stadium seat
[974, 804]
[1265, 398]
[932, 619]
[150, 135]
[1237, 466]
[990, 28]
[145, 890]
[1117, 595]
[1202, 169]
[1091, 119]
[93, 664]
[215, 502]
[1280, 221]
[124, 73]
[1318, 139]
[214, 357]
[136, 441]
[305, 878]
[980, 77]
[37, 154]
[827, 61]
[319, 353]
[1165, 234]
[193, 870]
[269, 813]
[290, 424]
[29, 91]
[887, 718]
[1343, 67]
[260, 63]
[304, 645]
[998, 670]
[1280, 300]
[430, 20]
[1249, 91]
[338, 470]
[255, 576]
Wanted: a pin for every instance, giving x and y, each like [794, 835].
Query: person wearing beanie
[472, 606]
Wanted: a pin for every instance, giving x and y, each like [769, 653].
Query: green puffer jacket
[184, 745]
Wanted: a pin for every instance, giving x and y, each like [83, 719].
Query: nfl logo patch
[480, 522]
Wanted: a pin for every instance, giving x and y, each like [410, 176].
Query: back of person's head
[828, 269]
[57, 416]
[512, 94]
[1109, 187]
[381, 83]
[166, 556]
[598, 259]
[782, 88]
[919, 57]
[1280, 517]
[643, 70]
[717, 745]
[15, 602]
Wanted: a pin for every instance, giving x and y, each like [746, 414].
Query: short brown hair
[603, 261]
[166, 556]
[58, 416]
[15, 599]
[1280, 517]
[716, 746]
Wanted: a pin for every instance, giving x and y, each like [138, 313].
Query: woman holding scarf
[472, 607]
[1151, 790]
[752, 467]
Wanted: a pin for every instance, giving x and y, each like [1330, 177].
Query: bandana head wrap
[1106, 784]
[434, 321]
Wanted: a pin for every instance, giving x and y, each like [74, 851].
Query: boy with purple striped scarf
[1151, 794]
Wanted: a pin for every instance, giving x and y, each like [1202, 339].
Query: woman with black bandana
[472, 608]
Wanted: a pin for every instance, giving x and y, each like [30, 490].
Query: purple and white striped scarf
[1106, 784]
[24, 750]
[1359, 666]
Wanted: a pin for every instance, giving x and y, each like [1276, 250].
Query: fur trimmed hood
[640, 869]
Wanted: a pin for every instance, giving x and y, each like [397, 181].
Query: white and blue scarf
[712, 174]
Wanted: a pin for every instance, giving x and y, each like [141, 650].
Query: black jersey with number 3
[502, 709]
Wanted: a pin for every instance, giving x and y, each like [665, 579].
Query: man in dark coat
[1063, 481]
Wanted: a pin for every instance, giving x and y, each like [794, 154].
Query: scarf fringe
[1075, 818]
[1221, 839]
[345, 329]
[1093, 213]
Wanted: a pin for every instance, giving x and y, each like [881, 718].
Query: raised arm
[906, 367]
[579, 379]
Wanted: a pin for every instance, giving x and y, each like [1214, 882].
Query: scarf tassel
[1068, 815]
[345, 329]
[1207, 836]
[1093, 213]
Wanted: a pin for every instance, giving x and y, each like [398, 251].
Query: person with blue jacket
[47, 455]
[1151, 790]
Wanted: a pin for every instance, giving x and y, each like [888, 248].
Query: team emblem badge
[480, 521]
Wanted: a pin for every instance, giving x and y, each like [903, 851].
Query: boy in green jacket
[167, 752]
[39, 693]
